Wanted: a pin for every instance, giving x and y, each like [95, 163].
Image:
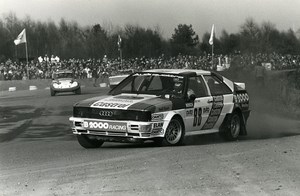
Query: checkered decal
[242, 98]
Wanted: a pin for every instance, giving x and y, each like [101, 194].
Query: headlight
[74, 83]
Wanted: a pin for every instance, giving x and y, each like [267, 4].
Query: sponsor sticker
[105, 126]
[119, 100]
[161, 75]
[158, 125]
[219, 98]
[215, 112]
[110, 105]
[205, 110]
[189, 105]
[212, 119]
[189, 113]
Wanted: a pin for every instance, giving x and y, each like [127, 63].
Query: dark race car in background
[63, 81]
[164, 106]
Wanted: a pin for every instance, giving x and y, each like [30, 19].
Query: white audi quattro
[163, 105]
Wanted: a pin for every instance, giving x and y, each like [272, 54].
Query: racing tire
[52, 92]
[78, 91]
[86, 142]
[233, 128]
[174, 134]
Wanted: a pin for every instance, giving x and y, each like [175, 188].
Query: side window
[216, 86]
[197, 87]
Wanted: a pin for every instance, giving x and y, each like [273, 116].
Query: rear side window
[217, 86]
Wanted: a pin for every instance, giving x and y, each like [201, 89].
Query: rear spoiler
[240, 85]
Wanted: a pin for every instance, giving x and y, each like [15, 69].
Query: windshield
[150, 83]
[63, 75]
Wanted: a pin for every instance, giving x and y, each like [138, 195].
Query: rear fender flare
[243, 122]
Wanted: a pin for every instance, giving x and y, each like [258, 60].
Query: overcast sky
[167, 14]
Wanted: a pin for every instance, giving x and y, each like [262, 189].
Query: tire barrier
[11, 89]
[32, 88]
[17, 85]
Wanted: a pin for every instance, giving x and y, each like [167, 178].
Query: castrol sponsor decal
[101, 104]
[105, 126]
[120, 102]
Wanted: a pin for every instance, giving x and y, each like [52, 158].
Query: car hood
[139, 102]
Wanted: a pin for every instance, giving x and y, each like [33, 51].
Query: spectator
[2, 75]
[43, 69]
[260, 74]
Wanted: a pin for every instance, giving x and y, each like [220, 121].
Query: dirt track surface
[40, 156]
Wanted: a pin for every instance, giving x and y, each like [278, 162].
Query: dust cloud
[271, 116]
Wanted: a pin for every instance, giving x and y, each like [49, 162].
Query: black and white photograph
[150, 97]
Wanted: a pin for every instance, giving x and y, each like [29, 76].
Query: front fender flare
[168, 118]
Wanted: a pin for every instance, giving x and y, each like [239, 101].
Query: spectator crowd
[43, 68]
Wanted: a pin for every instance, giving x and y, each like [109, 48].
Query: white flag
[21, 38]
[211, 39]
[119, 41]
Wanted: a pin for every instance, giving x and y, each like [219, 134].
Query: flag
[21, 38]
[211, 39]
[119, 42]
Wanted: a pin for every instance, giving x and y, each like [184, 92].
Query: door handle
[210, 101]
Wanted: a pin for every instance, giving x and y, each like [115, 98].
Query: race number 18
[197, 117]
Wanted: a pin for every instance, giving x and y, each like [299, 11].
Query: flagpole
[27, 60]
[121, 57]
[120, 48]
[212, 56]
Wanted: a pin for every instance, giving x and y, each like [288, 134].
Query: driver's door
[197, 110]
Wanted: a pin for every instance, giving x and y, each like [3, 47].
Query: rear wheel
[174, 135]
[233, 128]
[86, 142]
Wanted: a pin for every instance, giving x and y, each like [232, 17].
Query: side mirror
[192, 97]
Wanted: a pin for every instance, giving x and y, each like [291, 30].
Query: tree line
[67, 40]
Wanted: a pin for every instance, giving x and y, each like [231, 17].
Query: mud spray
[270, 117]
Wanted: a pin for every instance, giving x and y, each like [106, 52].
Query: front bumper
[124, 130]
[65, 89]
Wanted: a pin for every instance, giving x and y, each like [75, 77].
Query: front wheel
[175, 132]
[233, 128]
[86, 142]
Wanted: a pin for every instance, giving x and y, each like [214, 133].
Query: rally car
[164, 106]
[63, 81]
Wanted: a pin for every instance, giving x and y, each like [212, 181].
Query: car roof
[179, 71]
[63, 71]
